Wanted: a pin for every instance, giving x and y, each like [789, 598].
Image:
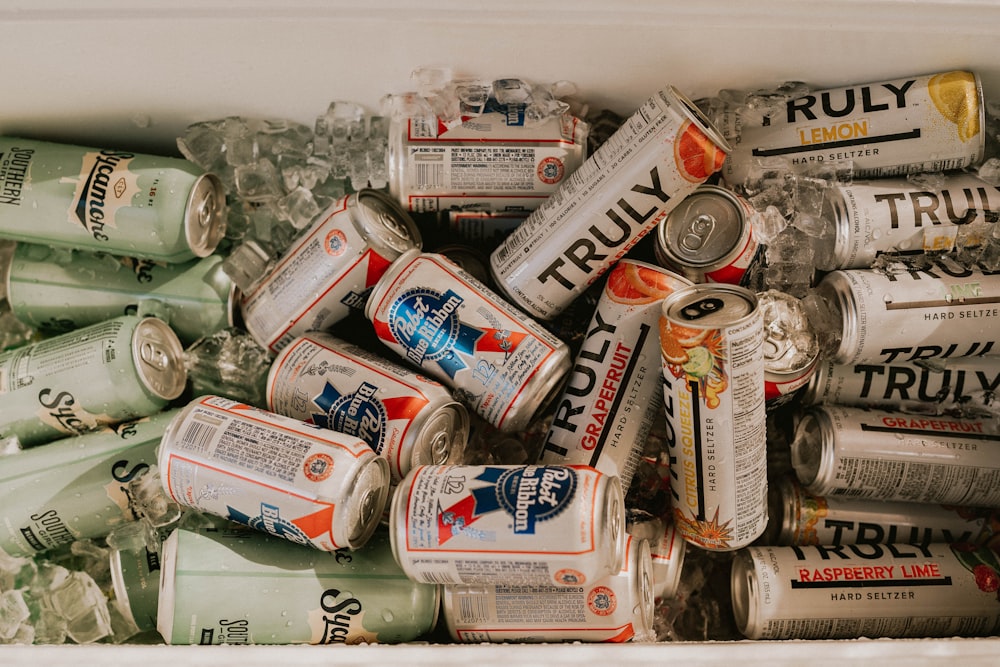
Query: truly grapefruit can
[659, 156]
[889, 128]
[614, 393]
[712, 340]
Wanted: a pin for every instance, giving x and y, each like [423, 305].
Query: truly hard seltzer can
[523, 525]
[917, 124]
[896, 456]
[235, 586]
[965, 386]
[114, 201]
[328, 270]
[712, 339]
[940, 312]
[659, 156]
[866, 590]
[106, 373]
[76, 488]
[896, 217]
[709, 237]
[799, 517]
[615, 391]
[279, 475]
[135, 579]
[496, 361]
[404, 417]
[493, 160]
[791, 349]
[61, 290]
[616, 608]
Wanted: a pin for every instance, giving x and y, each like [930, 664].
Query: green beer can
[58, 290]
[76, 488]
[135, 576]
[120, 202]
[107, 373]
[240, 586]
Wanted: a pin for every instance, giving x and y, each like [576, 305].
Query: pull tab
[702, 308]
[698, 230]
[154, 356]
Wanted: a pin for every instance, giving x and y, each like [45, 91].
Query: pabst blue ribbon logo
[302, 530]
[528, 494]
[359, 414]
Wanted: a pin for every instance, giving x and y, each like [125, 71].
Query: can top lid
[668, 561]
[206, 215]
[807, 449]
[790, 344]
[130, 595]
[366, 502]
[643, 598]
[709, 305]
[159, 358]
[442, 438]
[384, 224]
[703, 228]
[745, 596]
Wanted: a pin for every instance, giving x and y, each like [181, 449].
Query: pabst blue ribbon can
[232, 585]
[330, 269]
[496, 361]
[615, 391]
[866, 590]
[114, 201]
[660, 155]
[407, 418]
[303, 483]
[712, 338]
[531, 525]
[617, 608]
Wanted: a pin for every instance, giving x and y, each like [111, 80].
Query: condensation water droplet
[141, 120]
[284, 612]
[387, 615]
[288, 624]
[876, 233]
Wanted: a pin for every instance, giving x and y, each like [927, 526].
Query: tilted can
[896, 217]
[791, 348]
[709, 237]
[404, 417]
[80, 381]
[961, 386]
[659, 156]
[61, 290]
[493, 160]
[940, 312]
[711, 338]
[918, 124]
[235, 586]
[76, 488]
[866, 590]
[135, 579]
[667, 556]
[496, 361]
[799, 517]
[526, 525]
[615, 391]
[330, 269]
[617, 608]
[114, 201]
[896, 456]
[279, 475]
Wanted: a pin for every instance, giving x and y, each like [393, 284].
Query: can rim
[665, 247]
[835, 287]
[643, 585]
[168, 576]
[365, 505]
[205, 215]
[696, 115]
[812, 451]
[383, 223]
[743, 585]
[674, 299]
[167, 381]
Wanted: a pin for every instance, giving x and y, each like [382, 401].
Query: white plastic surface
[134, 74]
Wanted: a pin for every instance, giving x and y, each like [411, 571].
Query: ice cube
[240, 142]
[245, 264]
[299, 207]
[258, 181]
[511, 91]
[13, 612]
[204, 144]
[229, 363]
[989, 171]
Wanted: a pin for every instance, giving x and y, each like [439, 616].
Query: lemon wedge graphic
[955, 96]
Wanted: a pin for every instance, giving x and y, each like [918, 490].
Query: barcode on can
[198, 436]
[429, 170]
[472, 606]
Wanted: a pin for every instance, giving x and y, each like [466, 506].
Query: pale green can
[58, 290]
[76, 488]
[135, 576]
[240, 586]
[120, 202]
[107, 373]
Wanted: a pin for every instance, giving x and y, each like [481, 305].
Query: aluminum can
[135, 579]
[61, 290]
[712, 338]
[469, 259]
[922, 123]
[866, 590]
[963, 386]
[76, 488]
[709, 237]
[491, 161]
[617, 608]
[113, 201]
[517, 525]
[615, 391]
[799, 517]
[498, 362]
[236, 586]
[107, 373]
[895, 456]
[273, 473]
[941, 312]
[330, 269]
[896, 217]
[483, 228]
[658, 157]
[667, 557]
[791, 349]
[404, 417]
